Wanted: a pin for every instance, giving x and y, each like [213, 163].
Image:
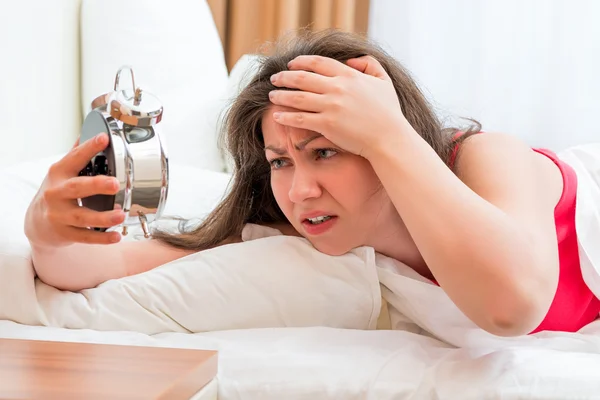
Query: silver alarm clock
[135, 154]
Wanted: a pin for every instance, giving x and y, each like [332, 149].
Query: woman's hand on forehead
[354, 105]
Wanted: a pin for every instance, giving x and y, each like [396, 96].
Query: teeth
[318, 220]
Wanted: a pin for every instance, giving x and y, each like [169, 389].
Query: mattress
[330, 363]
[208, 392]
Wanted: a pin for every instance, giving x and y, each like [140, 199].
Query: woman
[332, 140]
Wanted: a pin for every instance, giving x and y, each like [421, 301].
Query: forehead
[280, 135]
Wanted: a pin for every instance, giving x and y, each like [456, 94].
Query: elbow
[509, 326]
[62, 282]
[516, 316]
[517, 306]
[63, 285]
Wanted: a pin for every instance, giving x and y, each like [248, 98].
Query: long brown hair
[250, 198]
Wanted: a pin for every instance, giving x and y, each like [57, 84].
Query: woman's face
[331, 197]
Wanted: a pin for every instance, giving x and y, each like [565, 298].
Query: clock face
[102, 164]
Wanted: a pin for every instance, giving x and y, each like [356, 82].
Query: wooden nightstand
[42, 369]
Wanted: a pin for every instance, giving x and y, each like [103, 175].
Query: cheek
[281, 188]
[356, 185]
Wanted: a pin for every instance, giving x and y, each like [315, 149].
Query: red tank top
[574, 304]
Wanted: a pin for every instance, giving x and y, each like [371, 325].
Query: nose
[304, 185]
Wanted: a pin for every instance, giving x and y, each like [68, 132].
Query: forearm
[82, 266]
[78, 266]
[477, 253]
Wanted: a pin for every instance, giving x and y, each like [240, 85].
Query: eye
[325, 153]
[277, 163]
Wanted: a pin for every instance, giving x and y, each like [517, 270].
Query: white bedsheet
[327, 363]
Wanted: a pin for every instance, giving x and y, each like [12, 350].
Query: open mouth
[319, 224]
[318, 220]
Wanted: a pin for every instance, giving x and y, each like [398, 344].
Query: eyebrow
[299, 146]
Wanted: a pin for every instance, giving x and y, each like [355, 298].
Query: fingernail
[118, 217]
[112, 183]
[99, 137]
[276, 116]
[115, 237]
[271, 94]
[274, 78]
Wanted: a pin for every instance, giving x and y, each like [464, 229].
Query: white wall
[39, 79]
[530, 68]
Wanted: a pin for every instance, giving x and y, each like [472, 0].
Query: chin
[331, 249]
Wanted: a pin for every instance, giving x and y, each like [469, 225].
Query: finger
[369, 66]
[82, 217]
[304, 120]
[84, 186]
[76, 143]
[89, 236]
[321, 65]
[304, 101]
[81, 155]
[303, 80]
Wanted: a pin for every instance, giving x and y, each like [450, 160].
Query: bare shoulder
[490, 140]
[501, 163]
[497, 147]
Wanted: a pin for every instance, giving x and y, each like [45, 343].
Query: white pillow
[270, 280]
[176, 54]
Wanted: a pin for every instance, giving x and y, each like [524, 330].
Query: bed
[372, 348]
[278, 339]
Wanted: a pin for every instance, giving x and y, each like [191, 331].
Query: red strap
[455, 149]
